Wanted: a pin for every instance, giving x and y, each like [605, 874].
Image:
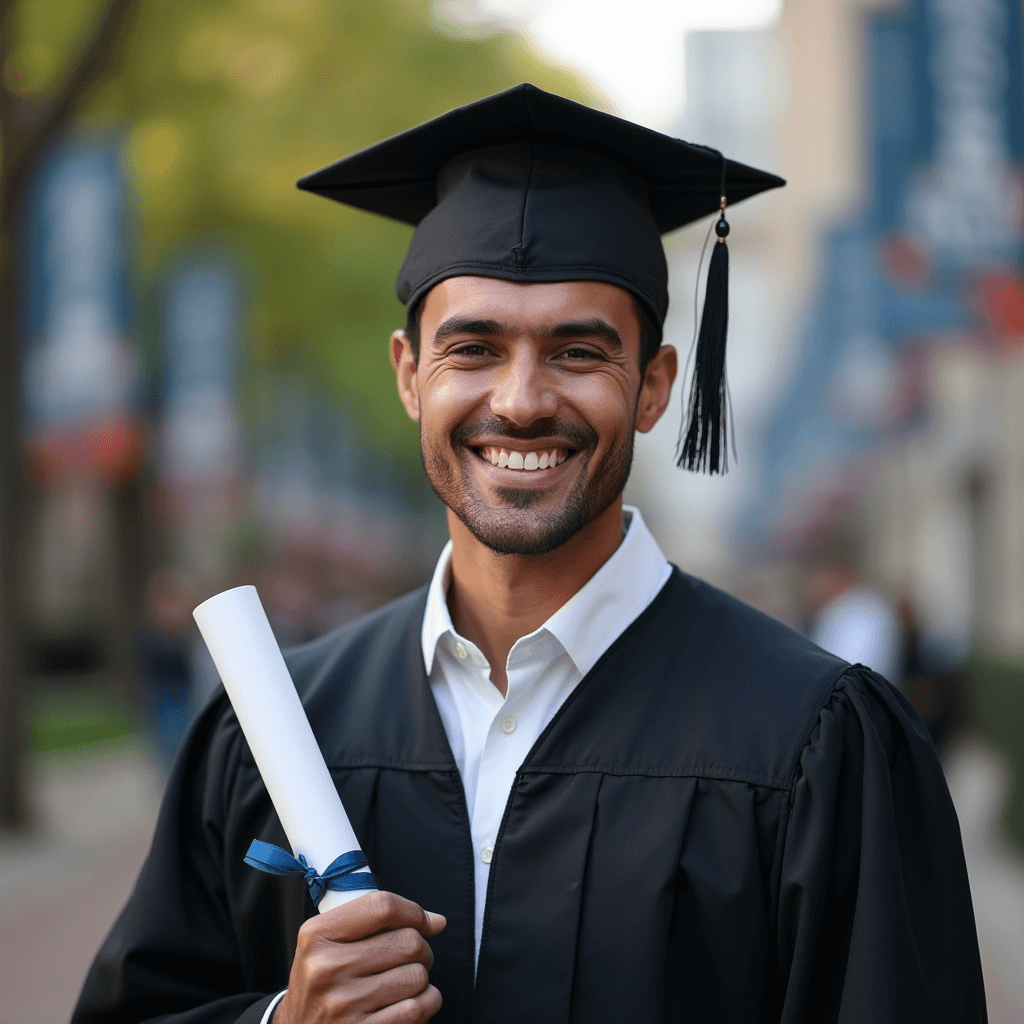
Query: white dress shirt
[491, 735]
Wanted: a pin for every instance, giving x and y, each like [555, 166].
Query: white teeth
[526, 461]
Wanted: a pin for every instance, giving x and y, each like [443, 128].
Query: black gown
[722, 823]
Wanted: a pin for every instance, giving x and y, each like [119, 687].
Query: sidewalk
[62, 886]
[979, 781]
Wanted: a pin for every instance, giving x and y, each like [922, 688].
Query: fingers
[372, 914]
[317, 960]
[389, 949]
[415, 1010]
[365, 957]
[363, 997]
[396, 985]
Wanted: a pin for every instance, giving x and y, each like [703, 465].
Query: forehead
[528, 307]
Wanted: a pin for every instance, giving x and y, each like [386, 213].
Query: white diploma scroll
[235, 628]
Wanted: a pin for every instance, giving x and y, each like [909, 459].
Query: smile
[528, 462]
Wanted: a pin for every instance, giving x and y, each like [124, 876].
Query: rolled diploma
[241, 642]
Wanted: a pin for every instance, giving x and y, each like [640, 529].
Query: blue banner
[201, 437]
[934, 253]
[81, 373]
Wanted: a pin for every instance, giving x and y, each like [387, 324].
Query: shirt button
[508, 725]
[486, 853]
[461, 652]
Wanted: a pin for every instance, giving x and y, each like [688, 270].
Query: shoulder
[376, 636]
[364, 689]
[735, 649]
[716, 688]
[761, 684]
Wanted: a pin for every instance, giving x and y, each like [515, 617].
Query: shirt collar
[594, 617]
[436, 620]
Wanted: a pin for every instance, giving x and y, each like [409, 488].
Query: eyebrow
[467, 325]
[591, 328]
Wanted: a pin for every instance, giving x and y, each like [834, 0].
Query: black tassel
[704, 445]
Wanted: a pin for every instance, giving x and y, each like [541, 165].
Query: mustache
[577, 435]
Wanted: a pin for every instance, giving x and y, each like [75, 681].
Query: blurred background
[195, 393]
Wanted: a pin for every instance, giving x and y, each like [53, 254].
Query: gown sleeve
[172, 955]
[875, 921]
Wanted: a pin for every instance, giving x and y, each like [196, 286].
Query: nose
[522, 391]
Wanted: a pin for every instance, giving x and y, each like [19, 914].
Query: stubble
[516, 526]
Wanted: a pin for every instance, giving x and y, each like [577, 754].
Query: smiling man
[592, 788]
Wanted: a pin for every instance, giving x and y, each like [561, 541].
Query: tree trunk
[13, 676]
[132, 564]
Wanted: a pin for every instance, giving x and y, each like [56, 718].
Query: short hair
[650, 331]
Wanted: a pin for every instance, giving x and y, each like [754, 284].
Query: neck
[496, 599]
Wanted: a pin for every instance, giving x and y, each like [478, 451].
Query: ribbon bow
[342, 873]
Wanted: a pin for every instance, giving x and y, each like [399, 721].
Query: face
[527, 396]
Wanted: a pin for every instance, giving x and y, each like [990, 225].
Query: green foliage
[228, 102]
[73, 716]
[999, 717]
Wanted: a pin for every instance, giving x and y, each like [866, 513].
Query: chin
[512, 541]
[510, 523]
[518, 528]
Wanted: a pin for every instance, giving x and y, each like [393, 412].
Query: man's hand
[363, 961]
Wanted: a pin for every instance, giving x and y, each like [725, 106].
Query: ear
[404, 362]
[656, 388]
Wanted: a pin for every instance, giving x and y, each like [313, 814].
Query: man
[591, 787]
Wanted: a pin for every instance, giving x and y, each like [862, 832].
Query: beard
[516, 526]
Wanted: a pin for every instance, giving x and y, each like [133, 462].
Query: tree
[224, 104]
[28, 123]
[230, 101]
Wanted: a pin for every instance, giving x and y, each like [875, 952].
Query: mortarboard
[528, 186]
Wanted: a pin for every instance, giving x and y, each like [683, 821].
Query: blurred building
[876, 357]
[944, 508]
[200, 457]
[84, 434]
[945, 504]
[902, 418]
[783, 98]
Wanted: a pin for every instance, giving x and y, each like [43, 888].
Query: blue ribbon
[342, 873]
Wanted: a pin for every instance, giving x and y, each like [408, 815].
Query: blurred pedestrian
[850, 618]
[166, 658]
[935, 684]
[292, 604]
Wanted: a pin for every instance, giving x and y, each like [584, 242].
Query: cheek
[606, 405]
[443, 406]
[453, 393]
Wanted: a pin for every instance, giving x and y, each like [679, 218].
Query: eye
[578, 353]
[473, 349]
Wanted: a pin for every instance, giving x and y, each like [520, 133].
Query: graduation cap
[528, 186]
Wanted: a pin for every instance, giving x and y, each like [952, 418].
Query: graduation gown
[722, 823]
